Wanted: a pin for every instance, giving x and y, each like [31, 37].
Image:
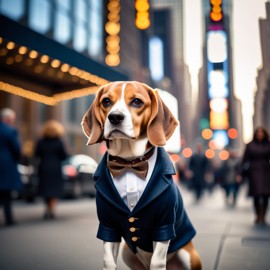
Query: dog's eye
[136, 102]
[106, 102]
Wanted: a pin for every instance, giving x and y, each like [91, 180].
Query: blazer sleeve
[106, 231]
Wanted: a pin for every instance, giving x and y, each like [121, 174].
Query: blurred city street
[226, 237]
[197, 72]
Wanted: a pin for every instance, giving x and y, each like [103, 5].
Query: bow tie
[139, 166]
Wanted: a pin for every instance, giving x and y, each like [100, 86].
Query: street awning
[41, 69]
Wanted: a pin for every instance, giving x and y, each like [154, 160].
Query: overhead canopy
[39, 68]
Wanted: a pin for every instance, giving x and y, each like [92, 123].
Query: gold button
[132, 219]
[134, 239]
[132, 229]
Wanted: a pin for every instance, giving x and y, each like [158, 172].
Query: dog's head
[128, 111]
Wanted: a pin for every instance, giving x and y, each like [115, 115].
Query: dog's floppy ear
[162, 122]
[91, 123]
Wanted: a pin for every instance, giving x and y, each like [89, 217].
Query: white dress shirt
[130, 186]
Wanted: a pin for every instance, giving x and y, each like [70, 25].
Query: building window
[62, 27]
[42, 113]
[80, 31]
[156, 56]
[40, 15]
[12, 9]
[72, 106]
[95, 26]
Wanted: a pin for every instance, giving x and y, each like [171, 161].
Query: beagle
[136, 198]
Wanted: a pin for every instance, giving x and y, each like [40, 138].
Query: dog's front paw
[158, 264]
[109, 266]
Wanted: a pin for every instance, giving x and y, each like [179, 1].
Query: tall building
[262, 97]
[219, 110]
[168, 23]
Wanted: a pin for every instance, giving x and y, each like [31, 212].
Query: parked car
[78, 173]
[29, 179]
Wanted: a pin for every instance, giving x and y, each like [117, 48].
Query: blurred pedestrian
[198, 171]
[181, 169]
[50, 152]
[229, 180]
[9, 157]
[257, 155]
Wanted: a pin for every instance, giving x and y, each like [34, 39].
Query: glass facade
[74, 23]
[95, 21]
[40, 15]
[80, 30]
[63, 24]
[13, 9]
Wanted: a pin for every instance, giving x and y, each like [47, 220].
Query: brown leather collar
[134, 161]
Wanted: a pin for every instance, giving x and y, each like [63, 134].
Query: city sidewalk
[226, 238]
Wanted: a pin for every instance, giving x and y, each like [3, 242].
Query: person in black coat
[229, 180]
[9, 157]
[50, 152]
[257, 156]
[198, 171]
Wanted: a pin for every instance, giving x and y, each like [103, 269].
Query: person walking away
[198, 171]
[257, 155]
[230, 182]
[50, 152]
[9, 156]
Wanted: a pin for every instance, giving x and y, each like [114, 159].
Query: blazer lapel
[159, 181]
[104, 185]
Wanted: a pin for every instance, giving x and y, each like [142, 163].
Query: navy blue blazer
[159, 215]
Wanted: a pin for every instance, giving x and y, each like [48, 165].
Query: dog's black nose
[116, 117]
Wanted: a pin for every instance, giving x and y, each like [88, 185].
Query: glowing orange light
[10, 45]
[55, 63]
[207, 134]
[142, 23]
[22, 50]
[112, 28]
[113, 17]
[212, 144]
[65, 68]
[113, 49]
[44, 59]
[112, 59]
[215, 16]
[232, 133]
[175, 157]
[187, 152]
[142, 20]
[141, 5]
[216, 11]
[223, 155]
[113, 6]
[219, 120]
[216, 2]
[209, 153]
[33, 54]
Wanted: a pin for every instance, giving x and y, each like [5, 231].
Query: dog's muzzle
[116, 118]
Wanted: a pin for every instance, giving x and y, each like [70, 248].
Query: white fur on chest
[131, 187]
